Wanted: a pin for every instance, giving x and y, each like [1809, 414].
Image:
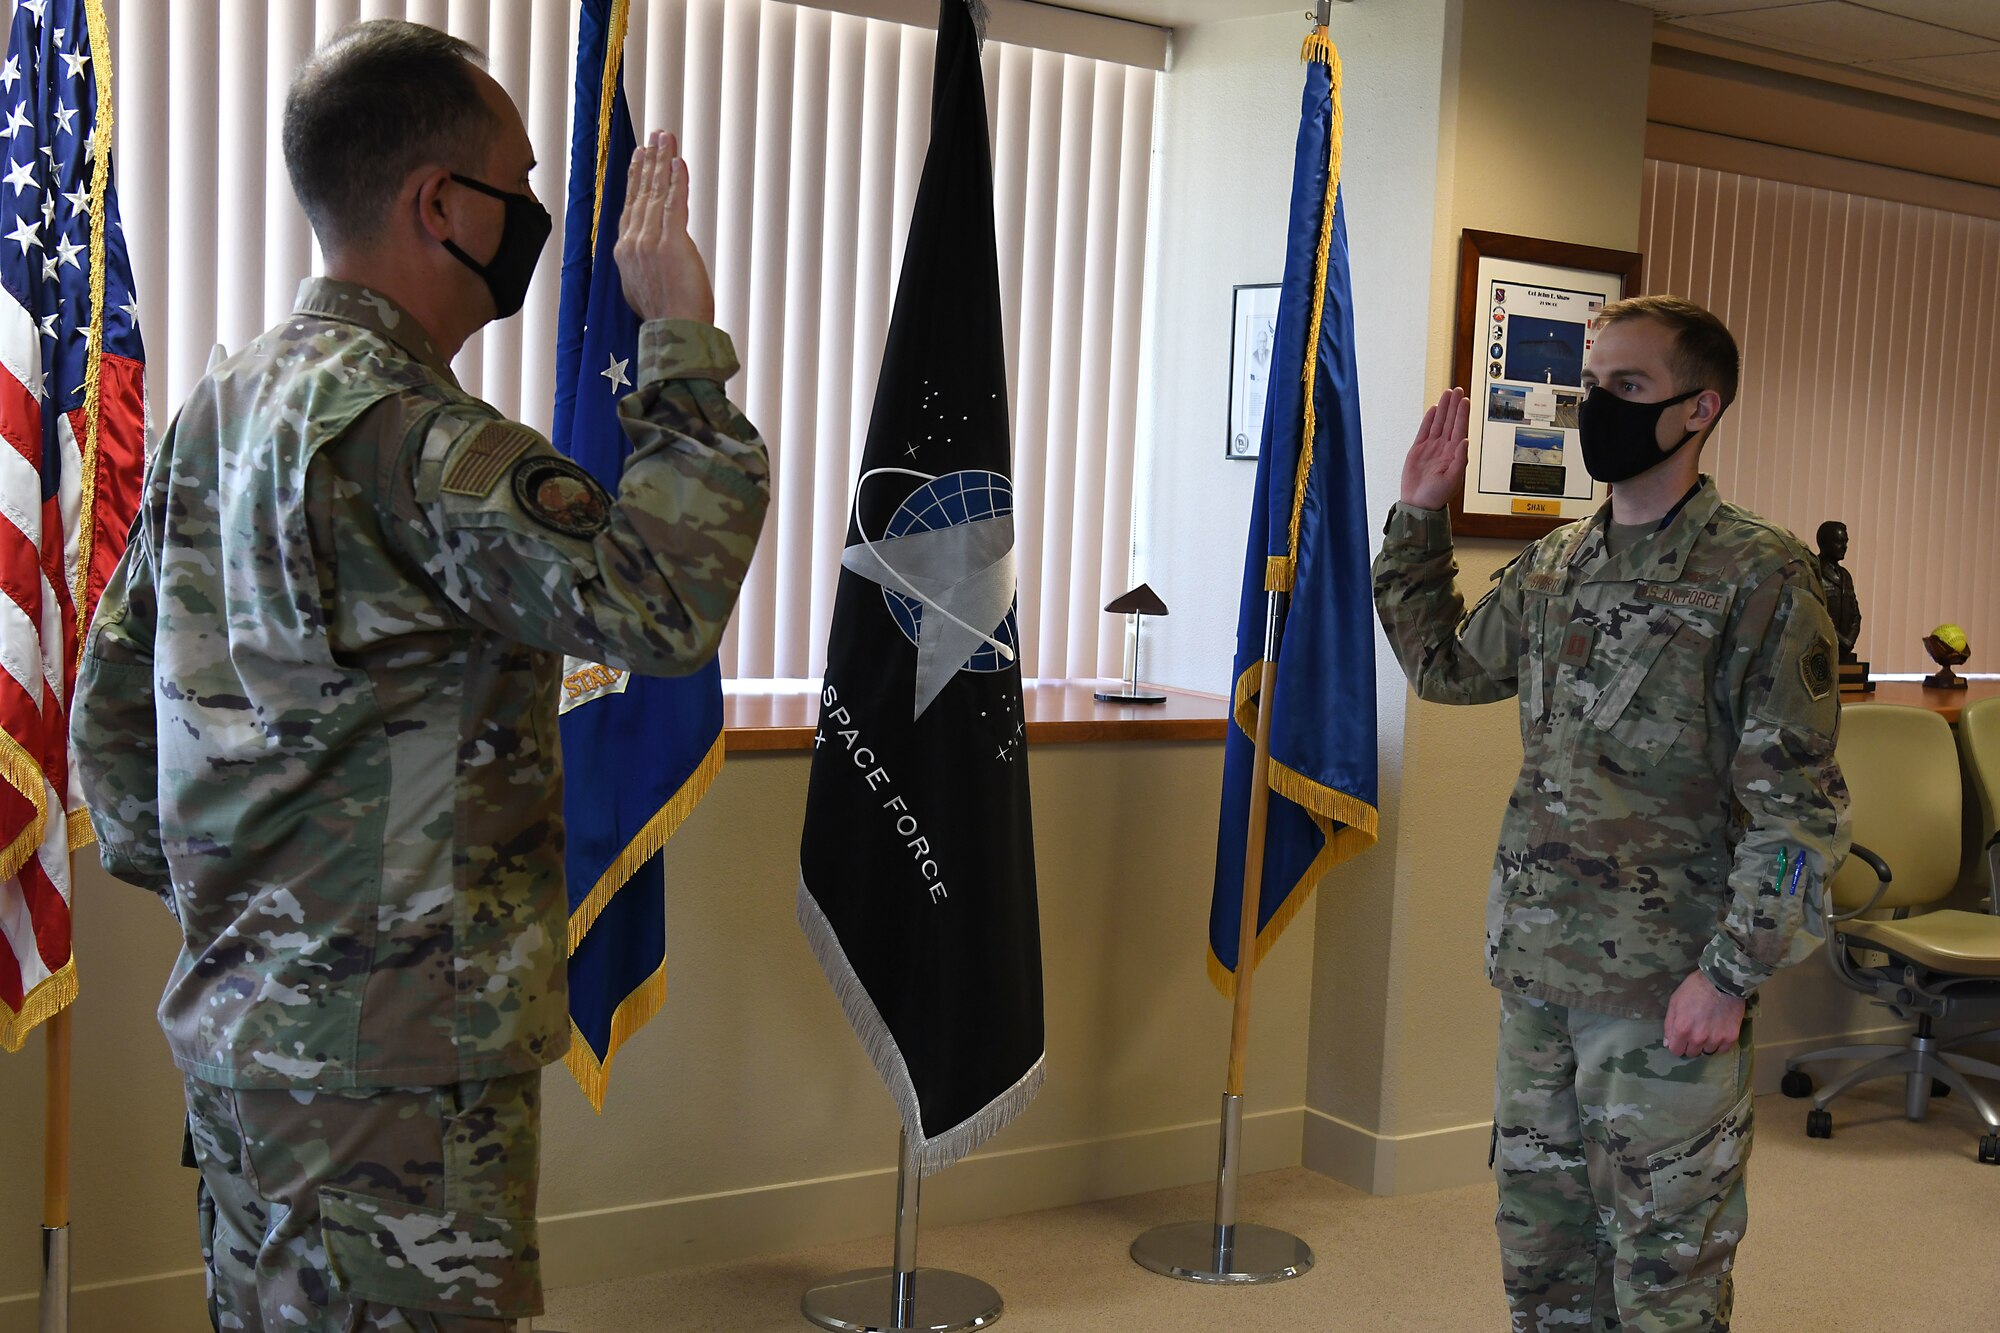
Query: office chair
[1901, 767]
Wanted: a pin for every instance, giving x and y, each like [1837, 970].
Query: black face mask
[522, 236]
[1619, 436]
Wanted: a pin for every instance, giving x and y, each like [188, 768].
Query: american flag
[73, 411]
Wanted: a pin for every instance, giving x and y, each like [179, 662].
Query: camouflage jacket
[317, 710]
[1678, 713]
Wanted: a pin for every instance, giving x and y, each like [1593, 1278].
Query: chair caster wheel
[1940, 1088]
[1989, 1150]
[1796, 1083]
[1819, 1124]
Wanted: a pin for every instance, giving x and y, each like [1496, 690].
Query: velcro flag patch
[476, 466]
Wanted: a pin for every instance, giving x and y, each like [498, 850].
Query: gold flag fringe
[648, 841]
[37, 1007]
[633, 1013]
[93, 344]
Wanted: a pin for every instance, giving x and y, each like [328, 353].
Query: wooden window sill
[1060, 712]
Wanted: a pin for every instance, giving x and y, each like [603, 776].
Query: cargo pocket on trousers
[1699, 1208]
[390, 1253]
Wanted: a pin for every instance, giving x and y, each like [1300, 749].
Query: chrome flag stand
[882, 1300]
[1226, 1250]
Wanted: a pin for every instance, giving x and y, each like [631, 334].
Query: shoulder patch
[558, 493]
[1816, 669]
[478, 463]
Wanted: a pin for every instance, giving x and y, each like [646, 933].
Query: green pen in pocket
[1778, 886]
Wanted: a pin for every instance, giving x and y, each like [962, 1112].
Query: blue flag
[638, 751]
[1309, 542]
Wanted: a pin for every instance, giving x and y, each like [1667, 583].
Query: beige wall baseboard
[159, 1303]
[1395, 1163]
[678, 1233]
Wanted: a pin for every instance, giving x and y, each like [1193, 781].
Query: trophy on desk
[1842, 605]
[1139, 603]
[1947, 646]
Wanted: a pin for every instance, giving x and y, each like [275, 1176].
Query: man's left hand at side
[1701, 1020]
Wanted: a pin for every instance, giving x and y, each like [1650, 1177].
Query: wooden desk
[1059, 712]
[1912, 694]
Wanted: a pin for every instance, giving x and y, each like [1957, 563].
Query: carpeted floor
[1903, 1205]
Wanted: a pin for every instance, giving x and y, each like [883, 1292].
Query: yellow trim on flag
[37, 1007]
[82, 833]
[105, 136]
[633, 1013]
[645, 844]
[607, 93]
[1349, 824]
[23, 773]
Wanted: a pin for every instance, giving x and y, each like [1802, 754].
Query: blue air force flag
[917, 866]
[1309, 541]
[638, 751]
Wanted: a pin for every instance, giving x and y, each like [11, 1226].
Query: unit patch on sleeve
[559, 494]
[476, 465]
[1816, 669]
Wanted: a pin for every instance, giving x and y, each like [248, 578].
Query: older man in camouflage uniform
[1677, 816]
[318, 710]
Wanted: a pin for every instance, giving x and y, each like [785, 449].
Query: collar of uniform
[1657, 556]
[330, 298]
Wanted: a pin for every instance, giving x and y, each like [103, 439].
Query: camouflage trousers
[377, 1208]
[1621, 1172]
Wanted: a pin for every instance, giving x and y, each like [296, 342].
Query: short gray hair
[379, 100]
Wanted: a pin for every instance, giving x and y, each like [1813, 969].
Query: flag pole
[55, 1168]
[1227, 1250]
[890, 1300]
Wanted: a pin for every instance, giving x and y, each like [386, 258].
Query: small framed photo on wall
[1253, 345]
[1526, 314]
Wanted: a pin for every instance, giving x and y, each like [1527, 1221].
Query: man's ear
[1707, 407]
[426, 189]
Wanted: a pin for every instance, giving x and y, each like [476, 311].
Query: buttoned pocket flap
[1646, 642]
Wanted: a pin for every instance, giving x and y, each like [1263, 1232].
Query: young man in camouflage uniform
[1677, 816]
[318, 710]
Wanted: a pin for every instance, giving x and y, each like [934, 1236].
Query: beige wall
[745, 1118]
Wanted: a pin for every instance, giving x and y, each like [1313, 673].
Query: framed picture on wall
[1525, 314]
[1253, 341]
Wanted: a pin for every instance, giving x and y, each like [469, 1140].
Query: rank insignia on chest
[1578, 640]
[1816, 669]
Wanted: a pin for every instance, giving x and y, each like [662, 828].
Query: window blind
[805, 131]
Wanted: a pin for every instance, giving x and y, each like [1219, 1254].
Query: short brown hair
[379, 100]
[1704, 355]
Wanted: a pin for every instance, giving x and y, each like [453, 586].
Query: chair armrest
[1882, 876]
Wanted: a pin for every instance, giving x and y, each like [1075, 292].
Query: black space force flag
[917, 866]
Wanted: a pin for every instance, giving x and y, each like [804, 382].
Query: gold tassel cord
[607, 95]
[1280, 574]
[105, 136]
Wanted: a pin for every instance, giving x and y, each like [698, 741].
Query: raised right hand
[1435, 470]
[662, 272]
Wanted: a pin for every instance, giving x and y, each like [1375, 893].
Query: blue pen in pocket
[1797, 866]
